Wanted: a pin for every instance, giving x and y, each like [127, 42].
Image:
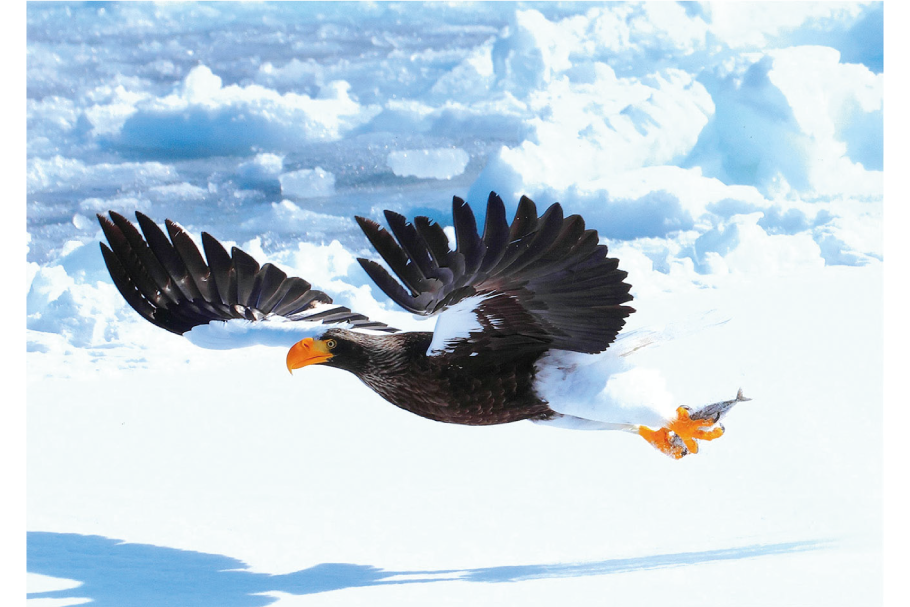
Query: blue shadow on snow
[118, 574]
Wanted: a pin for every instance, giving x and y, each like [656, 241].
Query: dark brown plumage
[441, 388]
[504, 298]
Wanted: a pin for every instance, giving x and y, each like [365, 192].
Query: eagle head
[335, 348]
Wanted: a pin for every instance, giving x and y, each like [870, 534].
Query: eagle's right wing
[170, 284]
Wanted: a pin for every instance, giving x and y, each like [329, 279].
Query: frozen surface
[729, 154]
[439, 163]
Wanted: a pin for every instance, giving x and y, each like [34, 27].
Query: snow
[730, 154]
[437, 163]
[307, 183]
[240, 333]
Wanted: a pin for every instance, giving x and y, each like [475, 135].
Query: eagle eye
[330, 343]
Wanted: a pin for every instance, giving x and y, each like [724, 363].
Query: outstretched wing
[171, 285]
[541, 282]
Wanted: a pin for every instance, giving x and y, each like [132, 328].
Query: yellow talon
[678, 439]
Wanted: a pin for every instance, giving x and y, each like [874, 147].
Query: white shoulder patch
[455, 324]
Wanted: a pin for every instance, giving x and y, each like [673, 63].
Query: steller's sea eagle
[522, 311]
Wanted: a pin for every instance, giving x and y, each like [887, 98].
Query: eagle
[525, 312]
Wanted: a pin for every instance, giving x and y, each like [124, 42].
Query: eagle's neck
[389, 355]
[396, 366]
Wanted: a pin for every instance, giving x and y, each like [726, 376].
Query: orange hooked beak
[307, 351]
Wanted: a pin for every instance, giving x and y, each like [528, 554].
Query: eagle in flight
[522, 311]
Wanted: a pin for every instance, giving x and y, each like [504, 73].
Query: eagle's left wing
[540, 282]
